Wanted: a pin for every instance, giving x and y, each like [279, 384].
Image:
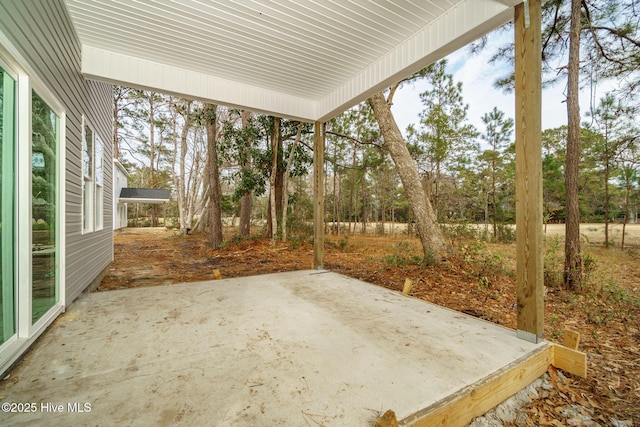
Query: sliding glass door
[7, 205]
[45, 128]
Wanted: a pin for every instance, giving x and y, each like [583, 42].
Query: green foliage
[553, 263]
[482, 262]
[589, 265]
[401, 256]
[300, 240]
[462, 231]
[343, 242]
[444, 141]
[498, 167]
[505, 234]
[609, 42]
[557, 330]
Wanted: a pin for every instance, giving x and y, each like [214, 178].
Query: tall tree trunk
[215, 195]
[486, 214]
[627, 200]
[279, 173]
[285, 183]
[383, 205]
[606, 200]
[185, 220]
[393, 220]
[245, 200]
[493, 194]
[334, 208]
[116, 101]
[200, 225]
[431, 237]
[573, 257]
[435, 193]
[174, 155]
[273, 214]
[340, 209]
[352, 190]
[192, 191]
[152, 148]
[363, 184]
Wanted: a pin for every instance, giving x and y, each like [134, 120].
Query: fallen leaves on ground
[479, 282]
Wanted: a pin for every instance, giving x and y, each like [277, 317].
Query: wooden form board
[571, 339]
[479, 398]
[475, 400]
[570, 360]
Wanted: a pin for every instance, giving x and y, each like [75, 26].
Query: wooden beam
[477, 399]
[529, 236]
[570, 360]
[571, 339]
[318, 196]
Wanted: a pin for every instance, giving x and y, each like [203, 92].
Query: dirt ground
[478, 280]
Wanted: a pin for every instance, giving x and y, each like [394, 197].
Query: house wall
[41, 37]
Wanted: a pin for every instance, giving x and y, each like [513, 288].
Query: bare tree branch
[356, 140]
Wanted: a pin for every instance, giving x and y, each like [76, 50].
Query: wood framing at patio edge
[473, 401]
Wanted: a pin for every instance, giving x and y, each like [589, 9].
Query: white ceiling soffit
[303, 59]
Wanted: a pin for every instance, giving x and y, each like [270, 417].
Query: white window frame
[98, 173]
[28, 80]
[87, 181]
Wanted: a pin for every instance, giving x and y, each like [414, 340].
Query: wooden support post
[408, 284]
[318, 196]
[529, 237]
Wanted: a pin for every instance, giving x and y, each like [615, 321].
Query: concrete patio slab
[303, 348]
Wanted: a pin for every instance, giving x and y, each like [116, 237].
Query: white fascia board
[514, 3]
[121, 168]
[116, 68]
[453, 30]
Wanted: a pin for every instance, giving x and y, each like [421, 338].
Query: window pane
[87, 179]
[99, 153]
[7, 161]
[99, 183]
[87, 204]
[87, 153]
[99, 206]
[44, 209]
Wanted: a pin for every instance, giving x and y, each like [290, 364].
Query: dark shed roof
[145, 195]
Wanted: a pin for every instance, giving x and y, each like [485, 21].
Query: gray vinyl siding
[42, 32]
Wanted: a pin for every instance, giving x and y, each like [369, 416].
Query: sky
[477, 77]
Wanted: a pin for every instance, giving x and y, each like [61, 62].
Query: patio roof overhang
[310, 60]
[307, 60]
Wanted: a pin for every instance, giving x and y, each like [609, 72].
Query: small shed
[140, 195]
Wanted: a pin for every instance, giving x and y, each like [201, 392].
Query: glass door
[7, 191]
[45, 130]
